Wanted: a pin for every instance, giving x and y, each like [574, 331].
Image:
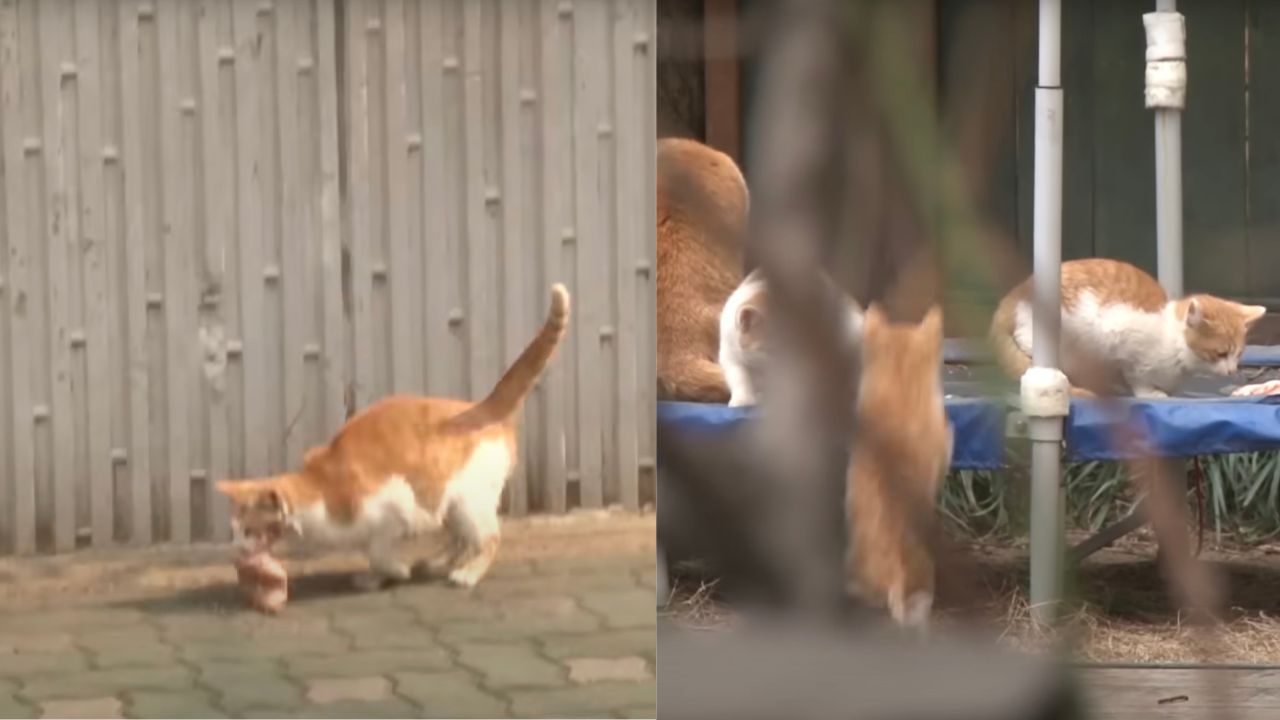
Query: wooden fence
[226, 225]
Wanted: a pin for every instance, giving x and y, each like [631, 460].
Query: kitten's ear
[1252, 314]
[874, 316]
[749, 319]
[270, 499]
[932, 322]
[1195, 313]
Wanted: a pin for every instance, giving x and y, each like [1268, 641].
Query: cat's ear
[749, 319]
[874, 316]
[932, 322]
[1252, 314]
[269, 499]
[1195, 313]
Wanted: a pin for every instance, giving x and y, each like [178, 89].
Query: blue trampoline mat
[1175, 427]
[979, 427]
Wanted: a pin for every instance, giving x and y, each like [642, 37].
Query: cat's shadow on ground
[224, 597]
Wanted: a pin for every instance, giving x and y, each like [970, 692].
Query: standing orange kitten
[900, 454]
[1118, 324]
[407, 465]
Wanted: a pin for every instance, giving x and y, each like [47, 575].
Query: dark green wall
[1231, 189]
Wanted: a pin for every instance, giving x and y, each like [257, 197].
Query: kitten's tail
[506, 396]
[1011, 358]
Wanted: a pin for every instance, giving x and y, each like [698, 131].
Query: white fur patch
[1149, 348]
[477, 486]
[393, 510]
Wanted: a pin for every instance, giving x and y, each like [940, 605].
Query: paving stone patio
[545, 636]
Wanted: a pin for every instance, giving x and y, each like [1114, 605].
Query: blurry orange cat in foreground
[407, 465]
[900, 454]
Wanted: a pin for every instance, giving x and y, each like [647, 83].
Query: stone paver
[454, 694]
[624, 669]
[26, 644]
[240, 686]
[10, 706]
[389, 708]
[27, 664]
[582, 701]
[622, 608]
[285, 646]
[99, 707]
[510, 665]
[132, 646]
[617, 643]
[361, 689]
[368, 662]
[164, 704]
[96, 683]
[538, 637]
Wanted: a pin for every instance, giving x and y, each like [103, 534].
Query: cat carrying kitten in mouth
[407, 465]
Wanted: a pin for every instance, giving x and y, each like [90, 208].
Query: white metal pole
[1166, 79]
[1044, 387]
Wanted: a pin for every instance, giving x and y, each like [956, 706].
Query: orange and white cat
[743, 347]
[1117, 319]
[407, 465]
[899, 457]
[701, 209]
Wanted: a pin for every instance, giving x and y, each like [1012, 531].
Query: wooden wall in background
[225, 225]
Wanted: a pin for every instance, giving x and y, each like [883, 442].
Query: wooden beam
[723, 103]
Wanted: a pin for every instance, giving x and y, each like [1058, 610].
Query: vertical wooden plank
[588, 115]
[406, 346]
[93, 226]
[480, 252]
[444, 360]
[278, 421]
[518, 320]
[557, 123]
[373, 48]
[21, 282]
[630, 104]
[724, 108]
[645, 46]
[116, 270]
[139, 457]
[359, 203]
[1213, 176]
[294, 230]
[330, 218]
[1123, 148]
[6, 346]
[217, 141]
[176, 237]
[60, 232]
[250, 191]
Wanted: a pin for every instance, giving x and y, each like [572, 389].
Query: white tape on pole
[1166, 74]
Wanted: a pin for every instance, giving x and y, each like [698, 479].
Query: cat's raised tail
[506, 396]
[1012, 359]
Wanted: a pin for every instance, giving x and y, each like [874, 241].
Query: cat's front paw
[1150, 394]
[464, 577]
